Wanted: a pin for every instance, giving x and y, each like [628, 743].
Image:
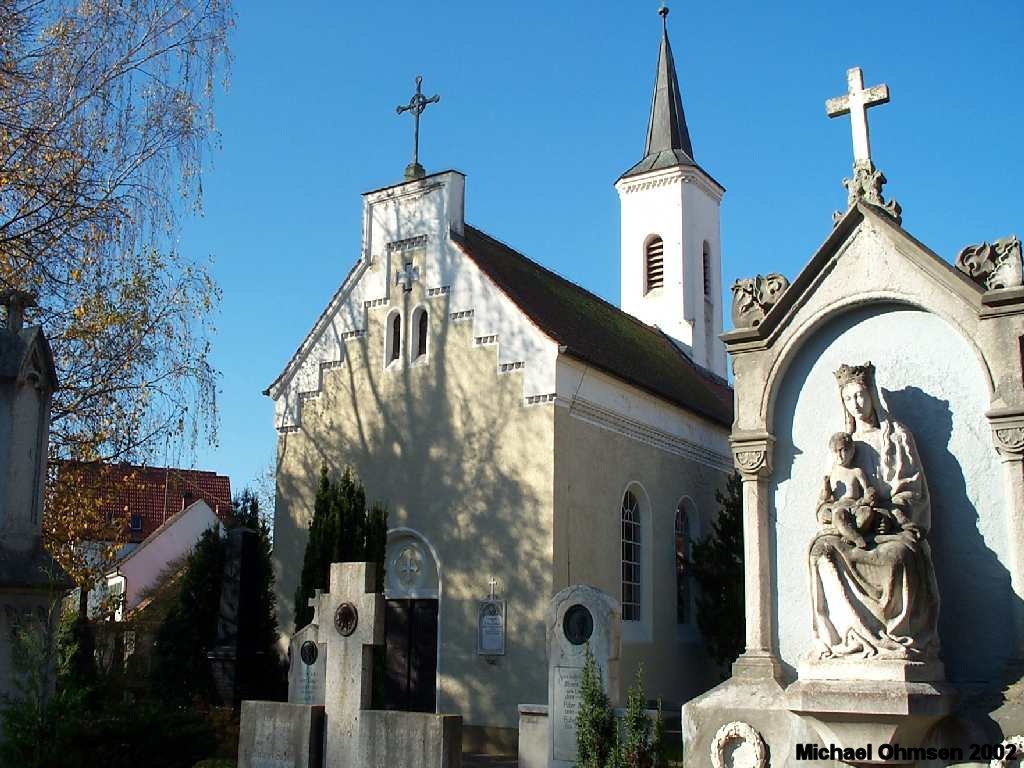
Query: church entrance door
[410, 642]
[412, 594]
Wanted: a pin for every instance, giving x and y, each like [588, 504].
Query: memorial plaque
[566, 711]
[307, 670]
[491, 628]
[578, 624]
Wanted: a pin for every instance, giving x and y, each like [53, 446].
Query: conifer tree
[718, 568]
[596, 733]
[342, 530]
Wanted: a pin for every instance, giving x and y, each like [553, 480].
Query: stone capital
[1008, 433]
[752, 453]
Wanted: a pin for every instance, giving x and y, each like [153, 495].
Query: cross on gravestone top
[416, 105]
[856, 102]
[353, 612]
[314, 603]
[492, 583]
[406, 276]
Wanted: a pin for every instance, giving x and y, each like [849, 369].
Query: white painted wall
[933, 383]
[166, 544]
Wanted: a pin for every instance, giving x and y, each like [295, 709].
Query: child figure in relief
[847, 499]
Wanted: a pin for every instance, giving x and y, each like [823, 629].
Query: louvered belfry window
[654, 264]
[707, 268]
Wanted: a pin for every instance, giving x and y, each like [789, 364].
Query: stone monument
[307, 668]
[580, 618]
[351, 734]
[30, 581]
[874, 494]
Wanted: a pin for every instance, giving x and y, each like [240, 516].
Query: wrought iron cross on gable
[416, 105]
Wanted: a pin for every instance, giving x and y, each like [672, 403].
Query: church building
[524, 434]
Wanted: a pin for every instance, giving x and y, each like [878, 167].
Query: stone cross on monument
[314, 603]
[856, 103]
[355, 609]
[867, 181]
[416, 105]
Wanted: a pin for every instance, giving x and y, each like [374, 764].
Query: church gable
[408, 233]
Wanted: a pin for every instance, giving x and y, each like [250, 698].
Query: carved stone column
[752, 453]
[1008, 436]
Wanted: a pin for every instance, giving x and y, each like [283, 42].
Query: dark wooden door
[410, 642]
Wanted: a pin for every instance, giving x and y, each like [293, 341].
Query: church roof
[590, 329]
[668, 139]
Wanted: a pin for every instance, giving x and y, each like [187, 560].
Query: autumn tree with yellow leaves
[106, 120]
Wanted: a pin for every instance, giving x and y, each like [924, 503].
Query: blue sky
[543, 105]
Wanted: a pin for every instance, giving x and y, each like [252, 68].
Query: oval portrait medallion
[308, 653]
[578, 624]
[346, 619]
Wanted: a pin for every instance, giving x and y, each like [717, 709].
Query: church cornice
[677, 175]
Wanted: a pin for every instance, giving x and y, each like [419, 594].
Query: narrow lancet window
[421, 334]
[396, 338]
[631, 585]
[707, 269]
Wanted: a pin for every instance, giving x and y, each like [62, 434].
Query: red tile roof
[153, 494]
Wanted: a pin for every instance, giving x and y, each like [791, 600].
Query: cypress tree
[718, 568]
[596, 732]
[342, 530]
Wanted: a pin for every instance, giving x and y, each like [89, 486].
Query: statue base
[853, 669]
[872, 718]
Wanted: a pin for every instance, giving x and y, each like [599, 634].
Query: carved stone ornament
[750, 461]
[346, 619]
[866, 185]
[993, 266]
[750, 752]
[1014, 744]
[754, 296]
[1010, 440]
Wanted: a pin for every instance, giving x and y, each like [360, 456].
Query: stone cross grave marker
[856, 102]
[353, 617]
[580, 617]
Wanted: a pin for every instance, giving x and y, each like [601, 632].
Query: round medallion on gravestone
[578, 624]
[308, 653]
[346, 619]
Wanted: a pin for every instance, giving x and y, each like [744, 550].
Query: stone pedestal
[273, 734]
[869, 713]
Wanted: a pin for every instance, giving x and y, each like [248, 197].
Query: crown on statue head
[862, 374]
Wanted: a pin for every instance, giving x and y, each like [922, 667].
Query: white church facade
[524, 433]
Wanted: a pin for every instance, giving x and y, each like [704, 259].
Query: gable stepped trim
[461, 316]
[510, 367]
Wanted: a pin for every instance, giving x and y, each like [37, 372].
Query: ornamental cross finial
[856, 103]
[416, 105]
[492, 583]
[16, 302]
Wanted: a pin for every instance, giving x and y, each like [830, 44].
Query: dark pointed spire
[668, 139]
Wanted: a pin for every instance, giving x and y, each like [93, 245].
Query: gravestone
[580, 617]
[307, 669]
[345, 731]
[233, 658]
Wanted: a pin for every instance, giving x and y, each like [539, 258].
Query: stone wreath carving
[1003, 762]
[993, 266]
[754, 296]
[742, 732]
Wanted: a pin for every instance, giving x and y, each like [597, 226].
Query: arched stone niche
[411, 568]
[933, 382]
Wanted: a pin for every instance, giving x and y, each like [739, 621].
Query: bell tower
[670, 258]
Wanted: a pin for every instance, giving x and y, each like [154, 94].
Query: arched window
[654, 264]
[685, 517]
[394, 338]
[420, 328]
[707, 269]
[631, 573]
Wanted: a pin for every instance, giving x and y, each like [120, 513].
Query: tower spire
[668, 139]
